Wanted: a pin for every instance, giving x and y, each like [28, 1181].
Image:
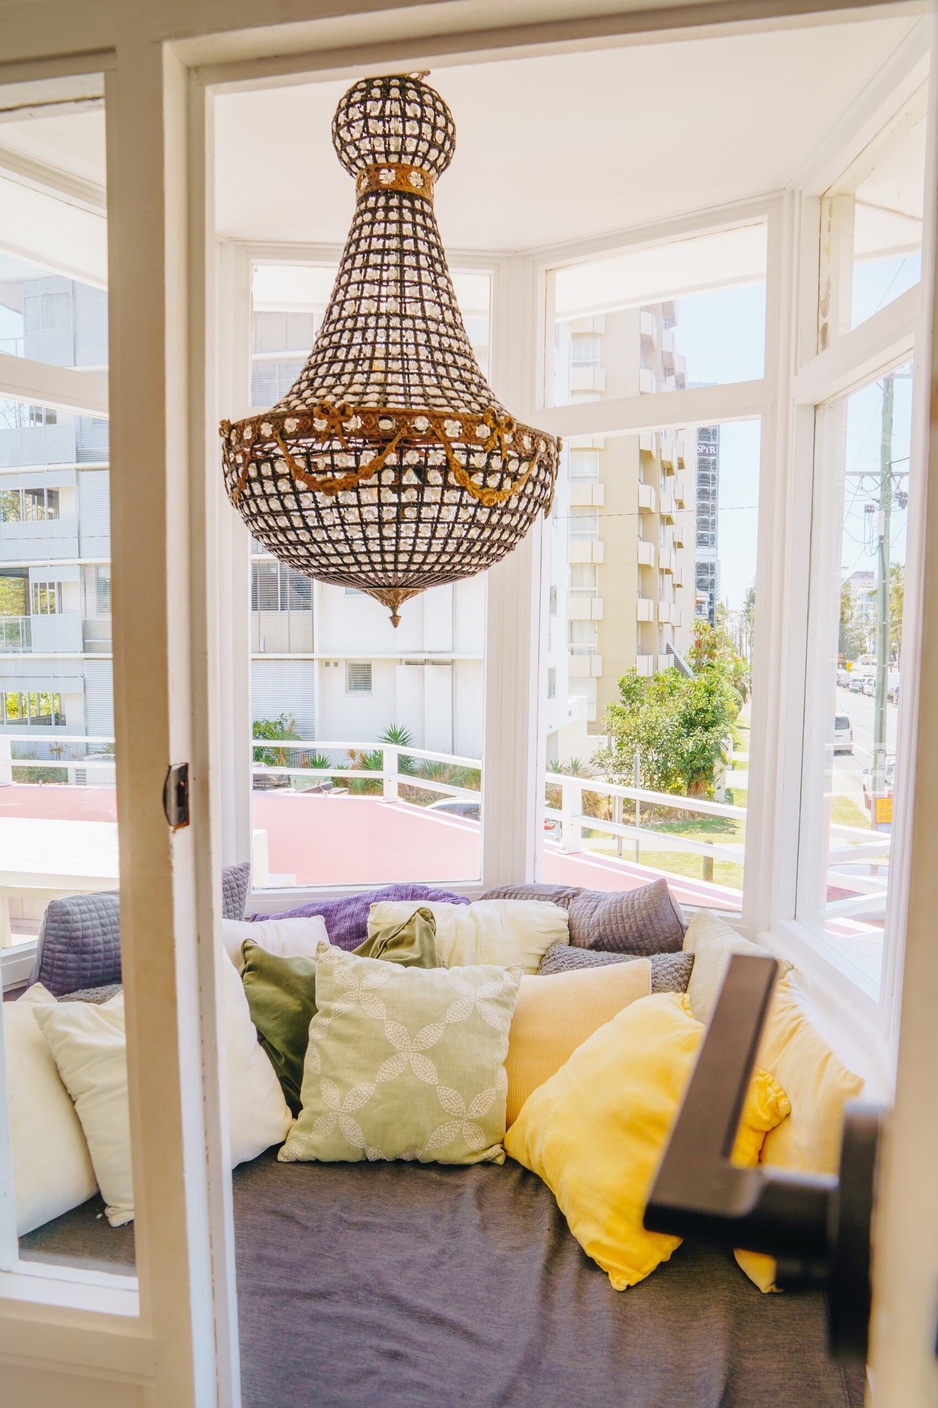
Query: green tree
[282, 727]
[896, 607]
[679, 726]
[852, 641]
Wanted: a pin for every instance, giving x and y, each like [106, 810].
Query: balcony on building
[16, 633]
[646, 498]
[668, 350]
[668, 442]
[648, 328]
[587, 378]
[584, 667]
[45, 539]
[58, 633]
[680, 490]
[645, 609]
[586, 494]
[666, 559]
[648, 442]
[647, 382]
[581, 607]
[645, 664]
[666, 505]
[646, 554]
[585, 550]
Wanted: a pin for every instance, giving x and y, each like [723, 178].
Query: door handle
[817, 1226]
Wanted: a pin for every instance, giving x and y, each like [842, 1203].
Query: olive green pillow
[405, 1063]
[281, 993]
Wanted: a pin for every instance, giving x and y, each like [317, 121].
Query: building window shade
[358, 677]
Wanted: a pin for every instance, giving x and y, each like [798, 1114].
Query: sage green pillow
[281, 992]
[405, 1063]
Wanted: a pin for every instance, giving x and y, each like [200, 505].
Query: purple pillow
[347, 918]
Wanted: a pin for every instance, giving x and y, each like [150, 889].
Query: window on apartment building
[584, 579]
[102, 590]
[690, 311]
[584, 522]
[276, 587]
[552, 682]
[28, 505]
[583, 637]
[47, 598]
[553, 601]
[584, 465]
[585, 348]
[358, 677]
[33, 708]
[585, 690]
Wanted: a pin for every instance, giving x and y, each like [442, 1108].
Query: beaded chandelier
[390, 465]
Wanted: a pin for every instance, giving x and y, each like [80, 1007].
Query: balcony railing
[15, 633]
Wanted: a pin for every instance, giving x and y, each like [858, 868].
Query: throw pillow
[595, 1132]
[713, 942]
[818, 1085]
[405, 1063]
[503, 932]
[235, 883]
[555, 1015]
[281, 992]
[89, 1046]
[79, 943]
[347, 918]
[670, 972]
[647, 920]
[291, 938]
[52, 1169]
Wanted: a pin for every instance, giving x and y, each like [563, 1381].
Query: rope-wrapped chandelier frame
[390, 465]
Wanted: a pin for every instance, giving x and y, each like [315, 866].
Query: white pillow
[713, 942]
[52, 1169]
[290, 938]
[89, 1046]
[505, 932]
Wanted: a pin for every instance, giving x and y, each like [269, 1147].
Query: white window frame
[183, 1349]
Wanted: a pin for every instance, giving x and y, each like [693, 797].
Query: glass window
[103, 590]
[47, 598]
[358, 677]
[584, 522]
[584, 464]
[661, 318]
[654, 691]
[888, 218]
[50, 318]
[861, 513]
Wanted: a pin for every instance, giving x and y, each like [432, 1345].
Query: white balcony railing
[15, 633]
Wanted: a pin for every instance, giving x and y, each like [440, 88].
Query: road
[849, 767]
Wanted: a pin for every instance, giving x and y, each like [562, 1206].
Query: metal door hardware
[176, 795]
[817, 1226]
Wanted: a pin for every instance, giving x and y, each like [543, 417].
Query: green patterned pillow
[405, 1063]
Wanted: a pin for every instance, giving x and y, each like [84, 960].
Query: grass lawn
[845, 812]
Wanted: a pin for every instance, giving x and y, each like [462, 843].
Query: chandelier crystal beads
[390, 465]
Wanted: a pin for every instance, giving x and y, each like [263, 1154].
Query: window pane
[660, 319]
[329, 670]
[887, 235]
[58, 812]
[650, 683]
[862, 508]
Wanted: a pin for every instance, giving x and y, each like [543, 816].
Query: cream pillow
[554, 1014]
[818, 1085]
[89, 1045]
[510, 933]
[713, 942]
[52, 1169]
[288, 938]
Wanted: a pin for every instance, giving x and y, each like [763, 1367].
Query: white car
[843, 734]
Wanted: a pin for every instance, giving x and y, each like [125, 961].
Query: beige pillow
[90, 1049]
[288, 938]
[510, 933]
[555, 1013]
[818, 1085]
[713, 942]
[52, 1169]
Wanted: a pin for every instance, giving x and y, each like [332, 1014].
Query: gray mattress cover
[411, 1286]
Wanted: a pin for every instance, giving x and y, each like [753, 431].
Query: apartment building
[55, 576]
[707, 548]
[629, 505]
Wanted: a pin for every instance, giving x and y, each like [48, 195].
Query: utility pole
[883, 632]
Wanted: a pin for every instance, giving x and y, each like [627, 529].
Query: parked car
[856, 684]
[843, 734]
[869, 686]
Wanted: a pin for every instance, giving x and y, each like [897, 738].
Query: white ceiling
[549, 148]
[556, 148]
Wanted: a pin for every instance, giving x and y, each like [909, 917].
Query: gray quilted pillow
[95, 995]
[670, 972]
[235, 883]
[79, 943]
[553, 894]
[643, 921]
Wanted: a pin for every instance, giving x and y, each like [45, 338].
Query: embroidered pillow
[405, 1063]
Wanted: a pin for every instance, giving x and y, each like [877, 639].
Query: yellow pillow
[595, 1131]
[819, 1086]
[556, 1013]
